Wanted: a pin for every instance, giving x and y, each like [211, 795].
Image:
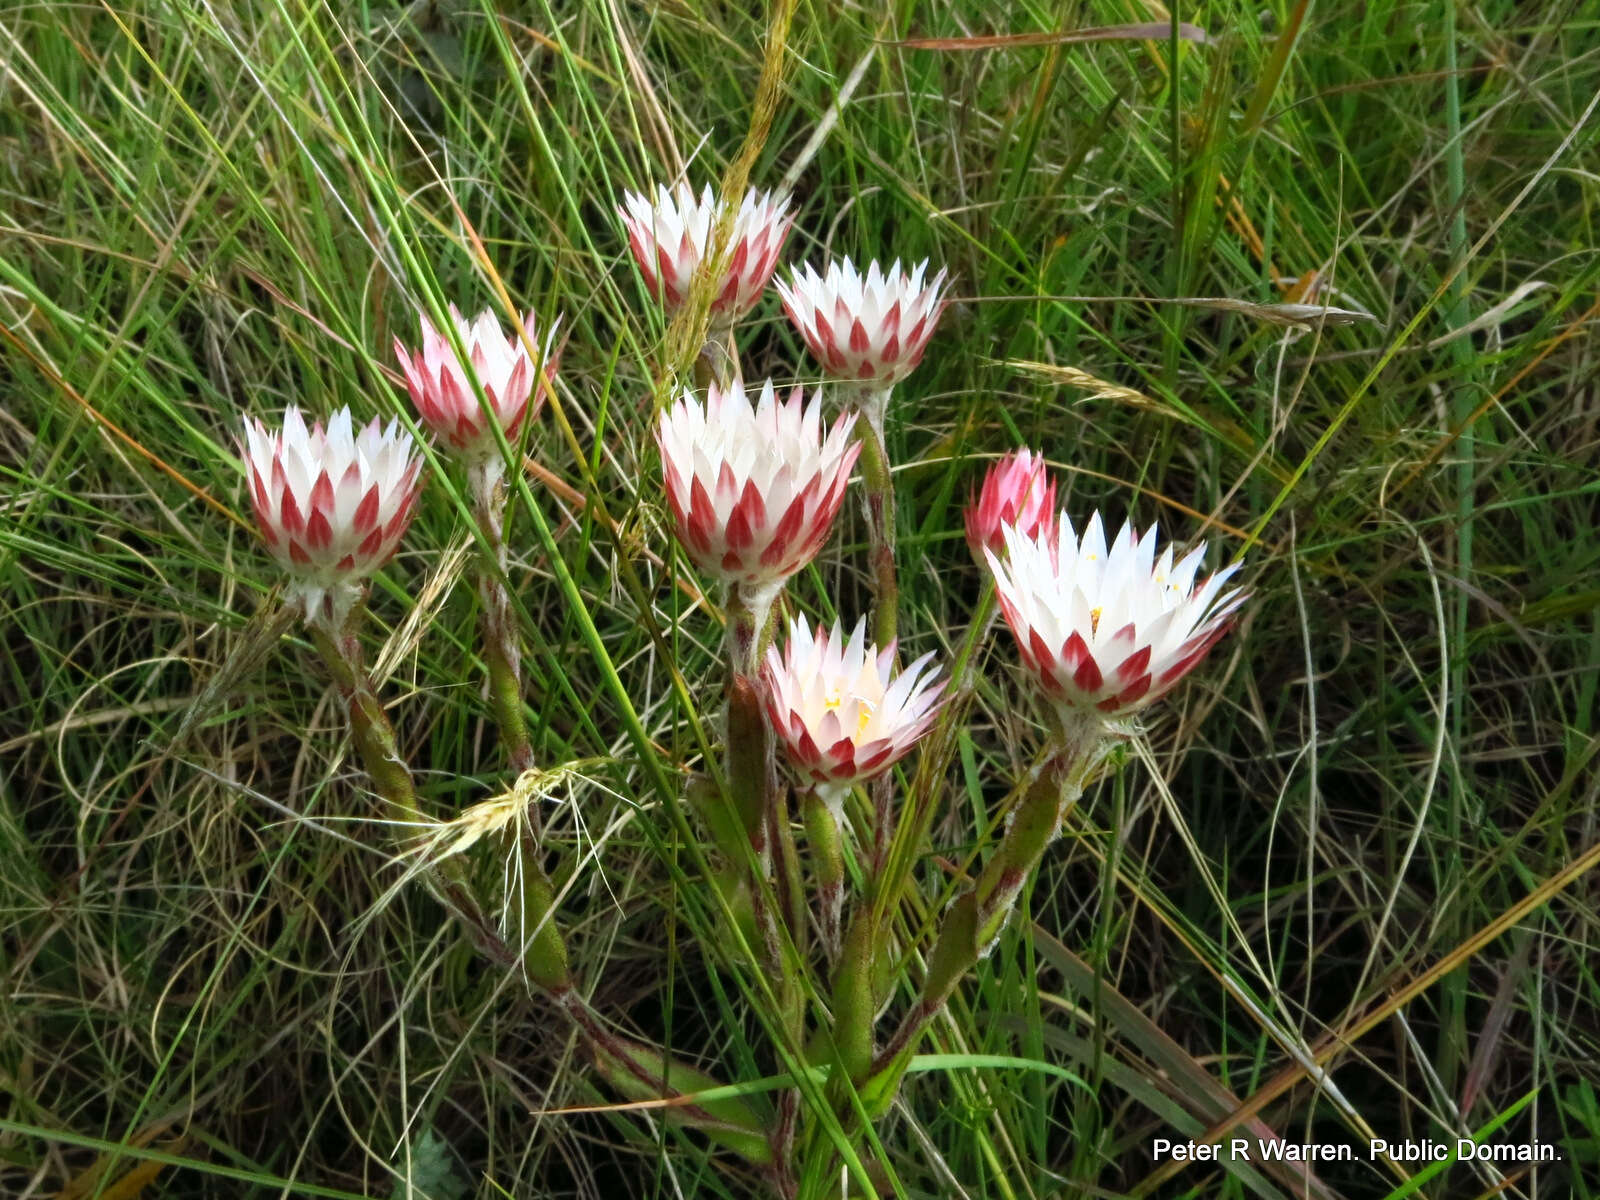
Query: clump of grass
[1343, 895]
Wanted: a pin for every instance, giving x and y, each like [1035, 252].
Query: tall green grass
[216, 209]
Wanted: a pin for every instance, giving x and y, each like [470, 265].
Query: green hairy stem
[636, 1071]
[749, 752]
[643, 1073]
[854, 1004]
[544, 952]
[369, 724]
[500, 644]
[878, 506]
[973, 923]
[826, 848]
[375, 741]
[750, 748]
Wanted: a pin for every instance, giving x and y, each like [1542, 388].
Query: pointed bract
[331, 504]
[869, 328]
[1108, 631]
[754, 488]
[441, 387]
[668, 237]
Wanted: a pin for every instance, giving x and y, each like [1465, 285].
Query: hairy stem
[642, 1072]
[973, 923]
[879, 508]
[749, 746]
[369, 724]
[825, 846]
[375, 741]
[751, 765]
[792, 912]
[878, 505]
[636, 1070]
[544, 951]
[854, 1005]
[748, 611]
[501, 650]
[759, 803]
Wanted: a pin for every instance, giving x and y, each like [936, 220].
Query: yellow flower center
[834, 701]
[1094, 618]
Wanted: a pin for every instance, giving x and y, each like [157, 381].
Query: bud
[670, 236]
[870, 329]
[331, 505]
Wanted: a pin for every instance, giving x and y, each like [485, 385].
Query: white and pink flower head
[868, 328]
[1017, 490]
[1108, 630]
[838, 710]
[669, 237]
[441, 387]
[754, 487]
[331, 504]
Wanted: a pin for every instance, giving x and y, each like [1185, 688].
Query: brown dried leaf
[1303, 316]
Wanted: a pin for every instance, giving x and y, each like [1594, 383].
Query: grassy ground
[1357, 840]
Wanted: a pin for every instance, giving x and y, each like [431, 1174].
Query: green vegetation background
[1359, 834]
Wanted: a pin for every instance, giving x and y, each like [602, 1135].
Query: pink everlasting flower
[840, 714]
[1018, 491]
[670, 235]
[331, 505]
[754, 488]
[870, 328]
[1108, 631]
[441, 387]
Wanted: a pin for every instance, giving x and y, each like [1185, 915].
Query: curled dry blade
[253, 643]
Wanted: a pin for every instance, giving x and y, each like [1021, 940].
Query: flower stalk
[645, 1073]
[750, 751]
[878, 507]
[974, 922]
[749, 610]
[855, 1005]
[752, 785]
[375, 742]
[501, 651]
[635, 1070]
[544, 951]
[370, 727]
[824, 815]
[792, 902]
